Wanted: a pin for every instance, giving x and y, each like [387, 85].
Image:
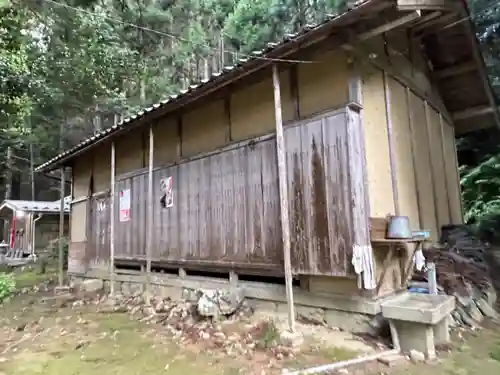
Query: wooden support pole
[457, 167]
[428, 125]
[392, 156]
[414, 155]
[149, 221]
[282, 179]
[61, 229]
[446, 180]
[112, 221]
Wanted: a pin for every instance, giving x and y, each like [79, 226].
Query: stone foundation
[349, 313]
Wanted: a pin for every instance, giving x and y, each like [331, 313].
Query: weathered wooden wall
[226, 206]
[244, 113]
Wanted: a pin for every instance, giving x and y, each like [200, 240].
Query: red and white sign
[125, 205]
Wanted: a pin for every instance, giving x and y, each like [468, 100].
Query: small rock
[214, 303]
[416, 356]
[342, 371]
[311, 315]
[220, 335]
[279, 356]
[148, 311]
[491, 295]
[92, 285]
[475, 313]
[486, 309]
[204, 335]
[292, 339]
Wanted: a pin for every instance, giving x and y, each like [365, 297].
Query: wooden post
[8, 190]
[112, 222]
[149, 221]
[392, 157]
[446, 180]
[61, 230]
[282, 179]
[431, 169]
[414, 155]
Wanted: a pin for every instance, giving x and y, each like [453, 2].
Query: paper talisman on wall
[167, 187]
[125, 205]
[101, 205]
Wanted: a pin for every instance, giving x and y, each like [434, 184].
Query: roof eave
[260, 60]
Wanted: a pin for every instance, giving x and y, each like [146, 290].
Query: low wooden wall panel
[226, 210]
[98, 248]
[317, 160]
[130, 235]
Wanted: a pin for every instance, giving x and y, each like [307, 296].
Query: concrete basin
[418, 308]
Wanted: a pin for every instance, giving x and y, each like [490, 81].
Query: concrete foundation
[349, 313]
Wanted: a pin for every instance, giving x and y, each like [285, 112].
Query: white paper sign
[125, 205]
[167, 186]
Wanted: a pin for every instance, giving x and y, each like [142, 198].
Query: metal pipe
[338, 365]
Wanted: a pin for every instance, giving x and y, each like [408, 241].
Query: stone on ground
[214, 303]
[91, 285]
[416, 356]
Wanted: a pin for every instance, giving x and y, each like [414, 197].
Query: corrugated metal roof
[35, 206]
[241, 64]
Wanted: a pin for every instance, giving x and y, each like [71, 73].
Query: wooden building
[371, 102]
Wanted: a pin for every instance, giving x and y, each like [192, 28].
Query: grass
[93, 343]
[478, 354]
[30, 275]
[44, 339]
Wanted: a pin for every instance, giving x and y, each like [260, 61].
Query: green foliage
[7, 285]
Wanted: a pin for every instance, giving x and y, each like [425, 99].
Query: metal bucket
[398, 227]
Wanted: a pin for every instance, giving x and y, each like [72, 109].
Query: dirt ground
[44, 334]
[39, 334]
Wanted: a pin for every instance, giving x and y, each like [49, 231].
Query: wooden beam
[112, 196]
[455, 70]
[283, 189]
[443, 154]
[426, 19]
[427, 27]
[423, 4]
[472, 112]
[401, 21]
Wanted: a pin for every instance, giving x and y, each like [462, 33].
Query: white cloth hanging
[362, 260]
[419, 260]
